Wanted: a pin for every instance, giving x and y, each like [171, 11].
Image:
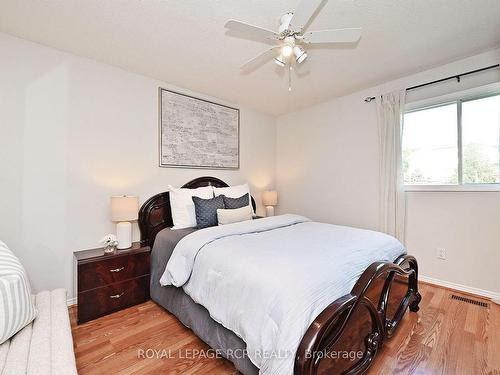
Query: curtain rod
[368, 99]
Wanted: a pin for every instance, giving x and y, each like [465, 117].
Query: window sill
[453, 188]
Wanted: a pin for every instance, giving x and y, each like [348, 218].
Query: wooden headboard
[155, 214]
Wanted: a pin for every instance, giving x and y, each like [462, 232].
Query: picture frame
[197, 133]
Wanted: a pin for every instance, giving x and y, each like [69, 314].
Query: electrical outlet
[441, 253]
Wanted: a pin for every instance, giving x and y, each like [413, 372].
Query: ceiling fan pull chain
[290, 78]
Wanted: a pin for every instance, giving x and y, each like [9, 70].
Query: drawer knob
[117, 295]
[117, 269]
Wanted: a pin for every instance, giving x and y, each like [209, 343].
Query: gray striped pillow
[16, 305]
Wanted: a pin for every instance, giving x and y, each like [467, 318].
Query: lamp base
[269, 210]
[124, 235]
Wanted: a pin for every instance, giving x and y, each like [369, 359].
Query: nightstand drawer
[98, 274]
[101, 301]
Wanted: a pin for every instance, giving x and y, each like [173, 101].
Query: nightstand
[110, 282]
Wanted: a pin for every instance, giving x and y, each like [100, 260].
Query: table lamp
[270, 199]
[124, 209]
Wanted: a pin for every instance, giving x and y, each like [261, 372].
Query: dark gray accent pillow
[232, 203]
[206, 211]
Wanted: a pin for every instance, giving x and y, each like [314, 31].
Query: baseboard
[71, 301]
[462, 288]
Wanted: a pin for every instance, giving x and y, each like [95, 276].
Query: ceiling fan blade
[333, 36]
[246, 28]
[305, 10]
[259, 59]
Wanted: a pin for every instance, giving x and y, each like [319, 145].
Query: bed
[342, 336]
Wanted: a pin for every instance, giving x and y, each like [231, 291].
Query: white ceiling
[184, 42]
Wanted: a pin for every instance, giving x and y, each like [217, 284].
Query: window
[455, 143]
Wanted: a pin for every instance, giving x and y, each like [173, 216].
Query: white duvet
[267, 279]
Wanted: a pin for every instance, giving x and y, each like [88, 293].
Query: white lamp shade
[124, 208]
[270, 198]
[300, 54]
[280, 60]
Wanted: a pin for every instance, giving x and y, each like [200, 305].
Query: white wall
[73, 132]
[327, 169]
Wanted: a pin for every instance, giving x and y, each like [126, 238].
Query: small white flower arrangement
[109, 242]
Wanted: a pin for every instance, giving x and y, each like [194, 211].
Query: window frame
[458, 99]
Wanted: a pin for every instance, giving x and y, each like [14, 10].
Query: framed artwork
[197, 133]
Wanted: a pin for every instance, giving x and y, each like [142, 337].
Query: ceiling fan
[292, 36]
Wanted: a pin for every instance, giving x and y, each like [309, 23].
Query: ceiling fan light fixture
[280, 60]
[287, 50]
[300, 54]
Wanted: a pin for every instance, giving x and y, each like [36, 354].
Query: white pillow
[181, 203]
[16, 305]
[235, 192]
[235, 215]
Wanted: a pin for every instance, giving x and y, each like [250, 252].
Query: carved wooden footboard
[345, 337]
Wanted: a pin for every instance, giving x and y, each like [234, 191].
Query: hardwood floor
[445, 337]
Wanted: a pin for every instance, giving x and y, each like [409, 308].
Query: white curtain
[392, 198]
